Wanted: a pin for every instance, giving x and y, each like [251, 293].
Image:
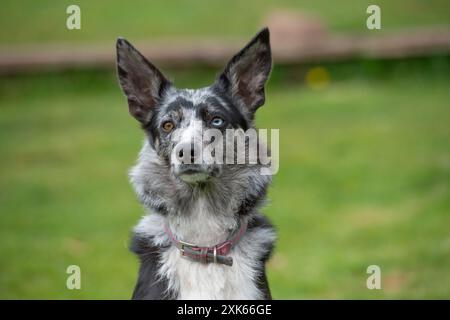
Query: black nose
[187, 153]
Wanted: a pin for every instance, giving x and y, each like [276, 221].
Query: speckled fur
[202, 213]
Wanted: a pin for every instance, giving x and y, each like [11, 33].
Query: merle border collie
[203, 236]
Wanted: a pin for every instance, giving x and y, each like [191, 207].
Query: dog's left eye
[217, 122]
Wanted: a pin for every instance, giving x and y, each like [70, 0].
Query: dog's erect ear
[141, 81]
[245, 75]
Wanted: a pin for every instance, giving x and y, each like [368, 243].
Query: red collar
[216, 254]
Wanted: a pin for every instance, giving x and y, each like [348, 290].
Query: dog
[203, 236]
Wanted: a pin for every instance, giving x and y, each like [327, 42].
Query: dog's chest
[196, 280]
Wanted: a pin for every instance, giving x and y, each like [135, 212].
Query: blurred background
[364, 127]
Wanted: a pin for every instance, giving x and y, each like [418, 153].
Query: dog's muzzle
[188, 165]
[192, 173]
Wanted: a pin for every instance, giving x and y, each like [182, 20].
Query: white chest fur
[195, 280]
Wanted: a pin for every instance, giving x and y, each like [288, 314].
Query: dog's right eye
[168, 126]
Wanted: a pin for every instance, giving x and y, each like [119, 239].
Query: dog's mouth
[192, 173]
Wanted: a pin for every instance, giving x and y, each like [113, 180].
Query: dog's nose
[187, 153]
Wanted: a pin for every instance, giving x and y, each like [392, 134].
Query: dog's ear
[245, 75]
[141, 81]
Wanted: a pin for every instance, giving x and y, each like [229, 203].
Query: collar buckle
[184, 244]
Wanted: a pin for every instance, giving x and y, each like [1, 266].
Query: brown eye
[168, 126]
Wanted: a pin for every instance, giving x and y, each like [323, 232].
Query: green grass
[364, 179]
[45, 20]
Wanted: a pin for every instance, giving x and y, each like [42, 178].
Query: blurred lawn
[364, 171]
[45, 20]
[364, 179]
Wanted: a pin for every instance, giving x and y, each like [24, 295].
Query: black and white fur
[200, 208]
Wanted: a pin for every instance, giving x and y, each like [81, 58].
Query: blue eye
[217, 122]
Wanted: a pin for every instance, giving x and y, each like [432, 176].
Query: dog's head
[176, 120]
